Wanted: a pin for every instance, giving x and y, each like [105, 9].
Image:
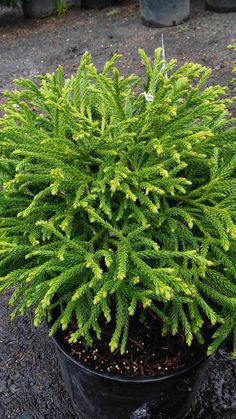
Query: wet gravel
[30, 383]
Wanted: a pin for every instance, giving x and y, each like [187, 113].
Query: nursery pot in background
[221, 5]
[98, 4]
[159, 13]
[37, 9]
[101, 396]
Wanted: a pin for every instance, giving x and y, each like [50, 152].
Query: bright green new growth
[116, 198]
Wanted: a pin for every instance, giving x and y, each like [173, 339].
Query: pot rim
[126, 379]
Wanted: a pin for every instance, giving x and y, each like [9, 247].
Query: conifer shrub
[117, 197]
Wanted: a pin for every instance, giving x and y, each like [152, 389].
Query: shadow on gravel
[14, 20]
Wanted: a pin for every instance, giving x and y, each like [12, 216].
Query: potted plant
[118, 226]
[158, 13]
[37, 9]
[9, 3]
[34, 9]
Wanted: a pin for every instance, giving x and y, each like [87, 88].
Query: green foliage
[61, 7]
[114, 200]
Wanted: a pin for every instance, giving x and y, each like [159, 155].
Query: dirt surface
[29, 47]
[30, 382]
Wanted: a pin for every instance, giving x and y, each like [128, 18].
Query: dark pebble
[13, 388]
[74, 49]
[2, 411]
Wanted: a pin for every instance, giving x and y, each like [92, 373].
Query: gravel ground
[29, 47]
[30, 382]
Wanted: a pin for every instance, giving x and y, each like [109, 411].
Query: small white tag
[148, 97]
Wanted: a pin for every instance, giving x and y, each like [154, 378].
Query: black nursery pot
[221, 5]
[101, 396]
[158, 13]
[37, 9]
[98, 4]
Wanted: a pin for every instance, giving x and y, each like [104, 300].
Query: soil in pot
[147, 353]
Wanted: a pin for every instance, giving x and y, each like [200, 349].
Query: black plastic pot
[100, 396]
[98, 4]
[221, 5]
[36, 9]
[159, 13]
